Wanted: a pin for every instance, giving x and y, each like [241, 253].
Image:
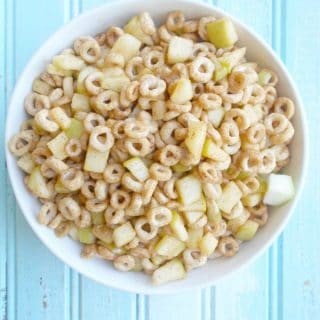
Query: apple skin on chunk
[171, 271]
[189, 189]
[222, 33]
[179, 50]
[280, 189]
[196, 137]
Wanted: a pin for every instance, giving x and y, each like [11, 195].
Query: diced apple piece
[171, 271]
[169, 247]
[212, 151]
[60, 188]
[233, 58]
[158, 260]
[68, 62]
[57, 71]
[95, 161]
[222, 33]
[231, 195]
[133, 27]
[216, 116]
[180, 168]
[182, 91]
[192, 216]
[179, 50]
[75, 130]
[199, 205]
[189, 189]
[280, 189]
[222, 69]
[123, 234]
[114, 79]
[127, 45]
[214, 216]
[38, 184]
[86, 236]
[234, 224]
[97, 218]
[196, 137]
[208, 244]
[251, 200]
[247, 231]
[264, 77]
[57, 146]
[80, 102]
[82, 77]
[41, 87]
[177, 226]
[194, 237]
[26, 163]
[137, 168]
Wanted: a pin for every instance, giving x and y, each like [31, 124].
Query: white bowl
[117, 13]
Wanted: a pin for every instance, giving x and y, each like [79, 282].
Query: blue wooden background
[282, 284]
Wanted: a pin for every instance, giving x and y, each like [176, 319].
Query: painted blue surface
[284, 283]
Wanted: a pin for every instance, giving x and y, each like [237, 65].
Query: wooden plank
[105, 303]
[245, 294]
[301, 246]
[39, 275]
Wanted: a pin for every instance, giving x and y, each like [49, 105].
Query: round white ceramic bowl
[117, 13]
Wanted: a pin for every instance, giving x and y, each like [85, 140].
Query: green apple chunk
[57, 145]
[192, 216]
[126, 45]
[80, 103]
[196, 137]
[169, 247]
[280, 189]
[133, 27]
[178, 227]
[75, 130]
[114, 79]
[216, 116]
[264, 77]
[97, 218]
[189, 189]
[68, 62]
[194, 237]
[233, 58]
[247, 231]
[137, 168]
[233, 225]
[26, 163]
[171, 271]
[96, 161]
[199, 205]
[182, 91]
[212, 151]
[38, 184]
[231, 195]
[208, 244]
[222, 33]
[123, 234]
[179, 50]
[86, 236]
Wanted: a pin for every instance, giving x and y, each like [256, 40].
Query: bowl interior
[95, 21]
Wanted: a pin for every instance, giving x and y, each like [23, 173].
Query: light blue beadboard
[284, 283]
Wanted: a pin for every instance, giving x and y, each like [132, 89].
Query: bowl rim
[280, 227]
